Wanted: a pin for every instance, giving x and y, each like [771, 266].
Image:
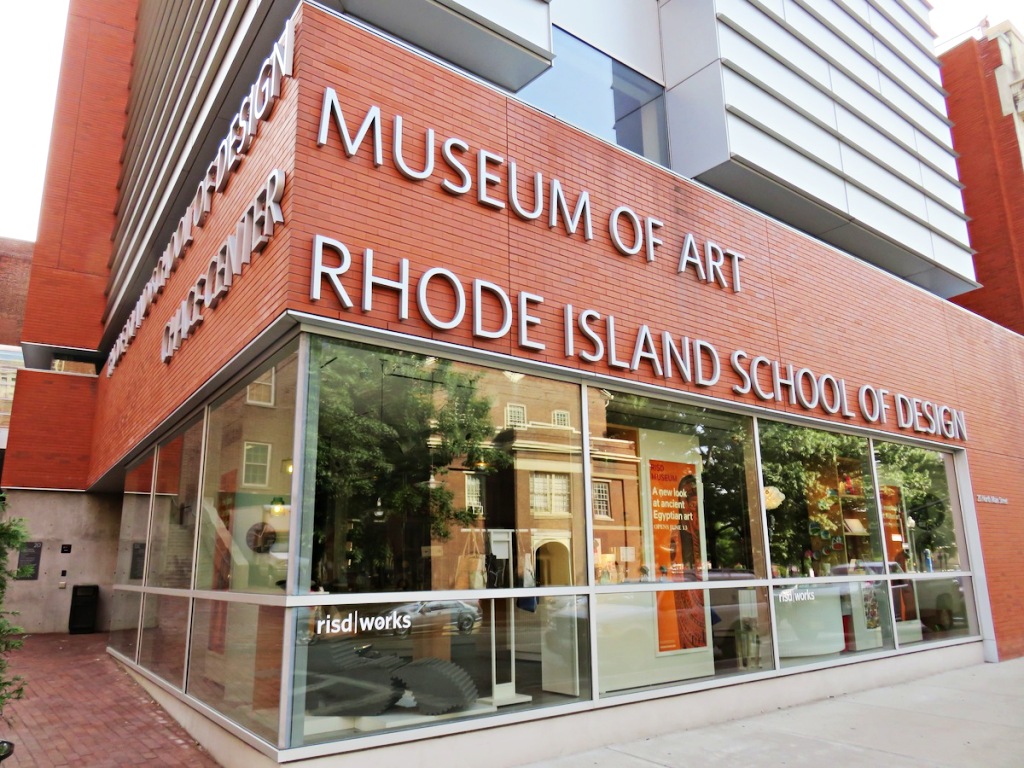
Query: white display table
[810, 620]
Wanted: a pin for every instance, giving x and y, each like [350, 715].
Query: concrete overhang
[510, 48]
[780, 201]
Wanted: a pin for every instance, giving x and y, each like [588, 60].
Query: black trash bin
[85, 599]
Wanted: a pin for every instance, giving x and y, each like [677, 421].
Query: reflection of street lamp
[277, 506]
[911, 525]
[773, 497]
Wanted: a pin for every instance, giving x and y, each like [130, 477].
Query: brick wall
[51, 430]
[991, 169]
[66, 295]
[15, 262]
[801, 303]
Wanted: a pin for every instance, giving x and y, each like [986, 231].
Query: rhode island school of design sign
[490, 311]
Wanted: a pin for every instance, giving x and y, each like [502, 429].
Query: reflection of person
[903, 559]
[688, 520]
[903, 594]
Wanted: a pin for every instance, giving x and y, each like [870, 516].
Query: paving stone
[83, 709]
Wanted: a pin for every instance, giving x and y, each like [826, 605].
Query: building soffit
[187, 131]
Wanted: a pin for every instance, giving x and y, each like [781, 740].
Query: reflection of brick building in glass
[371, 340]
[530, 501]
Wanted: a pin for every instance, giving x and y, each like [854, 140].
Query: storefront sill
[616, 718]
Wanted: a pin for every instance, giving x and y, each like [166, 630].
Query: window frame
[259, 382]
[246, 464]
[552, 494]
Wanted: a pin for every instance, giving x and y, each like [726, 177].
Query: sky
[30, 55]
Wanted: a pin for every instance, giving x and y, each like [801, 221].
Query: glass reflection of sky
[578, 88]
[589, 89]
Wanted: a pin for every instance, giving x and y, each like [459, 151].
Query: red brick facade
[51, 430]
[66, 295]
[992, 171]
[15, 262]
[801, 303]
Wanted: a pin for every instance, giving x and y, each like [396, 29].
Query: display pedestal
[810, 621]
[911, 631]
[503, 657]
[860, 612]
[506, 699]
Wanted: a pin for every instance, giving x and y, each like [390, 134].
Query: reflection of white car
[938, 603]
[279, 562]
[436, 615]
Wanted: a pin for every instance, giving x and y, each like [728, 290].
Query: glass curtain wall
[244, 518]
[223, 523]
[924, 544]
[171, 549]
[245, 510]
[455, 494]
[823, 523]
[674, 505]
[131, 556]
[462, 531]
[591, 90]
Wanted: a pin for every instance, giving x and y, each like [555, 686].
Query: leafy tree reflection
[803, 464]
[391, 426]
[727, 476]
[920, 475]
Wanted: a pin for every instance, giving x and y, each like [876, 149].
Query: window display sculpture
[364, 682]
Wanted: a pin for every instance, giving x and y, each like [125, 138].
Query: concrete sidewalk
[966, 717]
[83, 709]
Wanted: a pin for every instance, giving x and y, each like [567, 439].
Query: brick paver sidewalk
[83, 709]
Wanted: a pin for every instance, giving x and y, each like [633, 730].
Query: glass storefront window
[131, 547]
[923, 531]
[932, 609]
[235, 662]
[924, 537]
[389, 666]
[124, 623]
[429, 484]
[825, 621]
[820, 502]
[164, 631]
[657, 638]
[245, 512]
[172, 536]
[591, 90]
[674, 492]
[419, 479]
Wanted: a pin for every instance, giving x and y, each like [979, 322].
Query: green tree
[13, 535]
[803, 464]
[391, 426]
[920, 475]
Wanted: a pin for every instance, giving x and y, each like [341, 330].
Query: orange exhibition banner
[892, 524]
[676, 529]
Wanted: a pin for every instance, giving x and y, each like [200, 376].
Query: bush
[13, 534]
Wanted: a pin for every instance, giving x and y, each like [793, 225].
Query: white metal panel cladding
[851, 87]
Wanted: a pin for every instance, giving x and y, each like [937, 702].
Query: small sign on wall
[986, 498]
[29, 556]
[138, 559]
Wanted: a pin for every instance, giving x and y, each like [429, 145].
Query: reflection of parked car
[940, 603]
[437, 615]
[937, 602]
